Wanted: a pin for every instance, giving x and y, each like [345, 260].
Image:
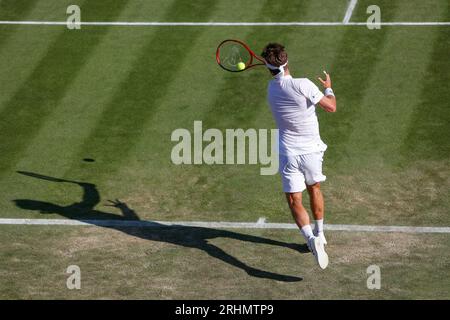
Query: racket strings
[231, 54]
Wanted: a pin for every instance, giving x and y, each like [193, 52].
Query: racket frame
[252, 55]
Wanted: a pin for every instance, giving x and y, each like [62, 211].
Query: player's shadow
[186, 236]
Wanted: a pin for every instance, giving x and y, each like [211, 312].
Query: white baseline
[260, 224]
[221, 24]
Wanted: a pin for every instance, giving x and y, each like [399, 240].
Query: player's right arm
[328, 102]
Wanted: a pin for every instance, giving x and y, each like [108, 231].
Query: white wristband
[329, 92]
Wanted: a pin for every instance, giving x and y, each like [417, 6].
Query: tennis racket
[236, 56]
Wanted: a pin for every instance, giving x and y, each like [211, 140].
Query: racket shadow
[184, 236]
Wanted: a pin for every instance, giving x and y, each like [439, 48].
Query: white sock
[307, 232]
[319, 226]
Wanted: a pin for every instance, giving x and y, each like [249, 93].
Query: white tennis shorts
[301, 170]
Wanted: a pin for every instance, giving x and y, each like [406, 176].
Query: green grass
[115, 94]
[201, 263]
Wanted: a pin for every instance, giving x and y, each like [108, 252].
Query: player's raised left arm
[328, 102]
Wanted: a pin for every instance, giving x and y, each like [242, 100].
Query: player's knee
[294, 199]
[314, 188]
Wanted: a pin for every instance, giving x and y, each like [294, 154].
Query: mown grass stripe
[28, 109]
[383, 121]
[135, 104]
[15, 44]
[17, 9]
[428, 133]
[63, 134]
[356, 60]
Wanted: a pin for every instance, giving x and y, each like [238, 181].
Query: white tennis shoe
[321, 235]
[317, 248]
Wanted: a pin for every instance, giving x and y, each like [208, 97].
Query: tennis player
[293, 102]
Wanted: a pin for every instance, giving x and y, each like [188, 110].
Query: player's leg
[312, 166]
[316, 200]
[317, 208]
[315, 244]
[293, 185]
[299, 214]
[293, 179]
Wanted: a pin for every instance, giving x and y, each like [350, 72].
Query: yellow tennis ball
[240, 66]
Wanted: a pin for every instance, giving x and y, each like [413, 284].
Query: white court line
[221, 24]
[261, 224]
[349, 12]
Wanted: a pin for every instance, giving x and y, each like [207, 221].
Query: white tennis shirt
[293, 106]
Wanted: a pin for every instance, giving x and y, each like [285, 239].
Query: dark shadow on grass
[186, 236]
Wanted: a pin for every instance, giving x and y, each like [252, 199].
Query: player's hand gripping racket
[236, 56]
